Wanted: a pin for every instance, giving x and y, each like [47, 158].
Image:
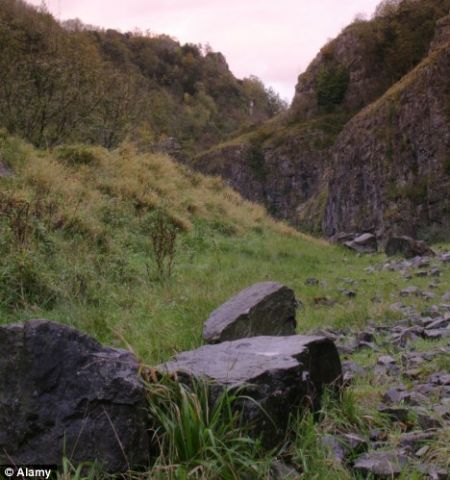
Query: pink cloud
[274, 40]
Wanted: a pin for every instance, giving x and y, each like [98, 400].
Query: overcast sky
[273, 39]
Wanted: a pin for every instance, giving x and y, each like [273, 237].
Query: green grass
[207, 440]
[86, 261]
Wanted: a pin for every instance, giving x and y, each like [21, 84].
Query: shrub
[77, 155]
[332, 83]
[163, 236]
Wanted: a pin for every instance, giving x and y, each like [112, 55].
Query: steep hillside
[76, 83]
[292, 163]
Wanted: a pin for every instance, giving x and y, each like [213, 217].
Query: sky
[272, 39]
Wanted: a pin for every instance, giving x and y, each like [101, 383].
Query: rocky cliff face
[391, 163]
[359, 149]
[339, 76]
[282, 171]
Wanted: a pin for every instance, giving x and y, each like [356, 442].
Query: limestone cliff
[363, 145]
[391, 163]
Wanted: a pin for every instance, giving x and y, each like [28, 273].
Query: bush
[332, 83]
[77, 155]
[163, 236]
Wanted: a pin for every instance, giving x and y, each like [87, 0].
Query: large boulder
[275, 375]
[62, 393]
[408, 247]
[266, 308]
[364, 243]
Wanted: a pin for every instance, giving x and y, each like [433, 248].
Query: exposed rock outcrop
[64, 394]
[326, 168]
[266, 308]
[277, 374]
[284, 172]
[390, 163]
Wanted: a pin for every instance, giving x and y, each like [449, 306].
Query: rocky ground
[399, 372]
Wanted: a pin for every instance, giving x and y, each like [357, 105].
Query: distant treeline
[69, 82]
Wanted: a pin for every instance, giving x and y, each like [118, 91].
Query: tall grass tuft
[201, 439]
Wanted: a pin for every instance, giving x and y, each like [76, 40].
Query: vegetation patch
[331, 85]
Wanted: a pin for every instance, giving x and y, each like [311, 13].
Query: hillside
[305, 169]
[115, 256]
[77, 247]
[72, 82]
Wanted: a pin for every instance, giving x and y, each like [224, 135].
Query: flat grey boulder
[365, 243]
[278, 374]
[407, 247]
[266, 308]
[62, 393]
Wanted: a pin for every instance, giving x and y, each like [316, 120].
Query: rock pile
[421, 411]
[64, 394]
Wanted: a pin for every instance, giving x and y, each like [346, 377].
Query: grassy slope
[94, 258]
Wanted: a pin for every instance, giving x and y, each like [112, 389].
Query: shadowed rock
[408, 247]
[279, 374]
[64, 394]
[266, 308]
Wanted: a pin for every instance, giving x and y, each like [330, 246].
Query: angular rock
[266, 308]
[354, 442]
[428, 422]
[350, 370]
[386, 360]
[406, 292]
[415, 439]
[437, 333]
[365, 243]
[333, 444]
[380, 464]
[63, 392]
[439, 323]
[408, 247]
[279, 374]
[395, 395]
[440, 378]
[435, 272]
[434, 472]
[349, 293]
